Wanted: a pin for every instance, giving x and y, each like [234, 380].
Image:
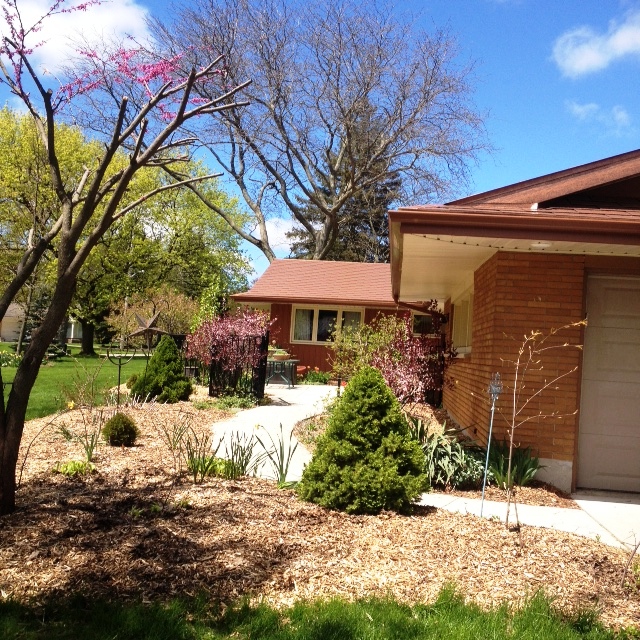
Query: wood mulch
[136, 530]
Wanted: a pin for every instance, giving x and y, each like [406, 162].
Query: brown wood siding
[370, 314]
[514, 294]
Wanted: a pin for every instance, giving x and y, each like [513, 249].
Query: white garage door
[609, 436]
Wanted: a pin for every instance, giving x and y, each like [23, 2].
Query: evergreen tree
[164, 378]
[366, 460]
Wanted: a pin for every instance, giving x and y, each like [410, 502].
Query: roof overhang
[245, 298]
[436, 249]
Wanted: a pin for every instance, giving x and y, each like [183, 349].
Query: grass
[62, 380]
[371, 619]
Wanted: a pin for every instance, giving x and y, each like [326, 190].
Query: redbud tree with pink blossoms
[214, 338]
[140, 103]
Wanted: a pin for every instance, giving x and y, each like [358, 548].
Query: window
[303, 324]
[422, 324]
[327, 324]
[319, 324]
[462, 323]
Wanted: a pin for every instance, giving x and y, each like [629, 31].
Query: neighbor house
[539, 255]
[13, 320]
[11, 324]
[309, 299]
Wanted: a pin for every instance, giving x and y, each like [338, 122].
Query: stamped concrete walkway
[613, 518]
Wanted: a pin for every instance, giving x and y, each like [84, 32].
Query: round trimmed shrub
[366, 460]
[164, 378]
[120, 431]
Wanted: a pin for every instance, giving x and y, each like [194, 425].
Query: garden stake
[495, 388]
[120, 357]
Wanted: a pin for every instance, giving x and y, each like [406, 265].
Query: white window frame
[434, 334]
[462, 327]
[316, 309]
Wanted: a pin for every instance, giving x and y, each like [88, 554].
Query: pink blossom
[214, 338]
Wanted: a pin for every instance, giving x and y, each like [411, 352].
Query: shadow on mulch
[90, 537]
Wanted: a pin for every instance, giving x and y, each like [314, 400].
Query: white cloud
[112, 18]
[616, 120]
[277, 229]
[582, 50]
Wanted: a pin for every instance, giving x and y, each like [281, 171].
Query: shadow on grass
[371, 619]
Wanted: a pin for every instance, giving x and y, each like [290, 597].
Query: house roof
[323, 282]
[562, 183]
[592, 209]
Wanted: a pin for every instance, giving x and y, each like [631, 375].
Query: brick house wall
[514, 294]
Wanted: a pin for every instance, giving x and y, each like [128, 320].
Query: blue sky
[558, 80]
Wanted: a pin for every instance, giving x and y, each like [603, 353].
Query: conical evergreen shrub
[366, 460]
[164, 378]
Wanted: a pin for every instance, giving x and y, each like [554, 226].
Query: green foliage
[120, 430]
[48, 394]
[8, 359]
[411, 365]
[240, 460]
[203, 405]
[164, 378]
[524, 464]
[88, 439]
[73, 468]
[449, 464]
[366, 460]
[207, 465]
[418, 430]
[450, 616]
[200, 457]
[236, 402]
[315, 376]
[279, 456]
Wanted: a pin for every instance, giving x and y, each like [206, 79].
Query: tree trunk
[88, 331]
[12, 419]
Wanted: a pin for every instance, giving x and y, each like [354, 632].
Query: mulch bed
[135, 530]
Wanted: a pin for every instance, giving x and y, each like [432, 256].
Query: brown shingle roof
[554, 185]
[323, 282]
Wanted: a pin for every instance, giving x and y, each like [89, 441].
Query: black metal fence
[240, 366]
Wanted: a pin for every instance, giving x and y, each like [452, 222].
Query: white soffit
[433, 268]
[439, 266]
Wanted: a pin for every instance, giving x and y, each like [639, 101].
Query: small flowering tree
[214, 338]
[411, 365]
[141, 102]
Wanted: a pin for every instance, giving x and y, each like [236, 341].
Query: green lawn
[65, 379]
[371, 619]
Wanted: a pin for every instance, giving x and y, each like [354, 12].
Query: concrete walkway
[613, 518]
[287, 407]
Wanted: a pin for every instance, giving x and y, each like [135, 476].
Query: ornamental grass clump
[366, 461]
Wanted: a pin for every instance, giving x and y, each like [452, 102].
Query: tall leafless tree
[315, 68]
